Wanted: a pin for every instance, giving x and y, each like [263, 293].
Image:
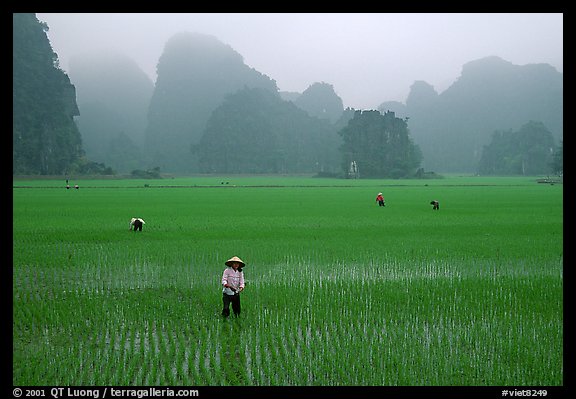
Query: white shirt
[234, 278]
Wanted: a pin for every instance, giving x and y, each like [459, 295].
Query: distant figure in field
[76, 186]
[232, 286]
[380, 200]
[435, 204]
[67, 186]
[136, 224]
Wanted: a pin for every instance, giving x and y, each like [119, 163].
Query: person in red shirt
[380, 200]
[232, 286]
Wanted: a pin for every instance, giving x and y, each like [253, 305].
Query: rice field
[339, 292]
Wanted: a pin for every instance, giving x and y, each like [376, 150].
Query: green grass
[339, 291]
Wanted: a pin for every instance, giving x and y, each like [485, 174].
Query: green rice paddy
[338, 290]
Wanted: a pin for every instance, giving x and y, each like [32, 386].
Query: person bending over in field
[136, 224]
[232, 286]
[435, 205]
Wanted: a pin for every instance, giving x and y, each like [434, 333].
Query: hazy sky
[369, 58]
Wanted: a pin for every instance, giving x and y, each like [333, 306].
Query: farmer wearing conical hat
[232, 285]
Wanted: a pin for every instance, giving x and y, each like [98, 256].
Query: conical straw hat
[235, 259]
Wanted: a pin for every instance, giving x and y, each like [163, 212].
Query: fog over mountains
[209, 112]
[491, 94]
[113, 98]
[196, 72]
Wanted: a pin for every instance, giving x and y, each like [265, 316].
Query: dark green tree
[380, 145]
[239, 137]
[45, 137]
[528, 151]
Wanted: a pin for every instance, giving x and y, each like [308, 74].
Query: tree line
[528, 151]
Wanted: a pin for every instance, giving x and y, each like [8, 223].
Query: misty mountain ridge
[490, 94]
[320, 100]
[196, 72]
[113, 95]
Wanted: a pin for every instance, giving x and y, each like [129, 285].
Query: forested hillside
[255, 131]
[45, 138]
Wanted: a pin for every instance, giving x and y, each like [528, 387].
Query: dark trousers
[137, 225]
[231, 299]
[381, 203]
